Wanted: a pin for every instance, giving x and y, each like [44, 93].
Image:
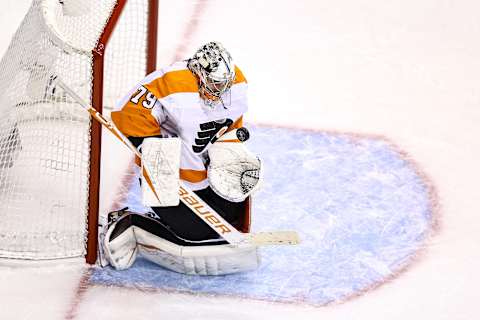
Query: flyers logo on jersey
[209, 133]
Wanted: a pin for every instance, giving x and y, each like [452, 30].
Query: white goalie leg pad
[120, 252]
[234, 172]
[161, 156]
[197, 260]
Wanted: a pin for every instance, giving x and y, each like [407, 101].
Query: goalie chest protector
[167, 102]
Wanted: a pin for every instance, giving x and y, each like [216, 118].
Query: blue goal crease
[361, 210]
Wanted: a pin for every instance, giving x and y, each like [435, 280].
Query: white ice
[407, 70]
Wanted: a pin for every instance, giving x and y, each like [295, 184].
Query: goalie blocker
[130, 235]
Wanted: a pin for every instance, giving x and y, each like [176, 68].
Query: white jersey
[167, 103]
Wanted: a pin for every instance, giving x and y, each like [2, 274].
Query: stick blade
[275, 238]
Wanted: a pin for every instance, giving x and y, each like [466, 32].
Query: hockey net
[49, 147]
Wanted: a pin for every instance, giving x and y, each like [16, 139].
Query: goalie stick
[190, 199]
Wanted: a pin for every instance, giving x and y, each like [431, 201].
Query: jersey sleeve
[140, 113]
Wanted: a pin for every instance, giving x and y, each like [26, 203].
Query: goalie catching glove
[234, 172]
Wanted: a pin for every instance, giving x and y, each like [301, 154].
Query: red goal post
[97, 102]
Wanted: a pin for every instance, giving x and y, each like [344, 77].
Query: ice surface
[360, 207]
[404, 69]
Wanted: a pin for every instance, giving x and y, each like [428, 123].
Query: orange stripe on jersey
[189, 175]
[237, 124]
[135, 121]
[239, 77]
[193, 176]
[173, 82]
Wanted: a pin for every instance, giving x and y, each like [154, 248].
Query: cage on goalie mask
[214, 67]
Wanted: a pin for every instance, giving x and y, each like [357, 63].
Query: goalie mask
[214, 67]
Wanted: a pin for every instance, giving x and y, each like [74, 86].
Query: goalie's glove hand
[234, 172]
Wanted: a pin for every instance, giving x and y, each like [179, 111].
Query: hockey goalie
[186, 120]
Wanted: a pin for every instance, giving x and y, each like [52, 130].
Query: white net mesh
[126, 66]
[44, 134]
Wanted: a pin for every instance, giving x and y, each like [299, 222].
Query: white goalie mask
[214, 67]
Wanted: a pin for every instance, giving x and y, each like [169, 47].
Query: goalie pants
[187, 225]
